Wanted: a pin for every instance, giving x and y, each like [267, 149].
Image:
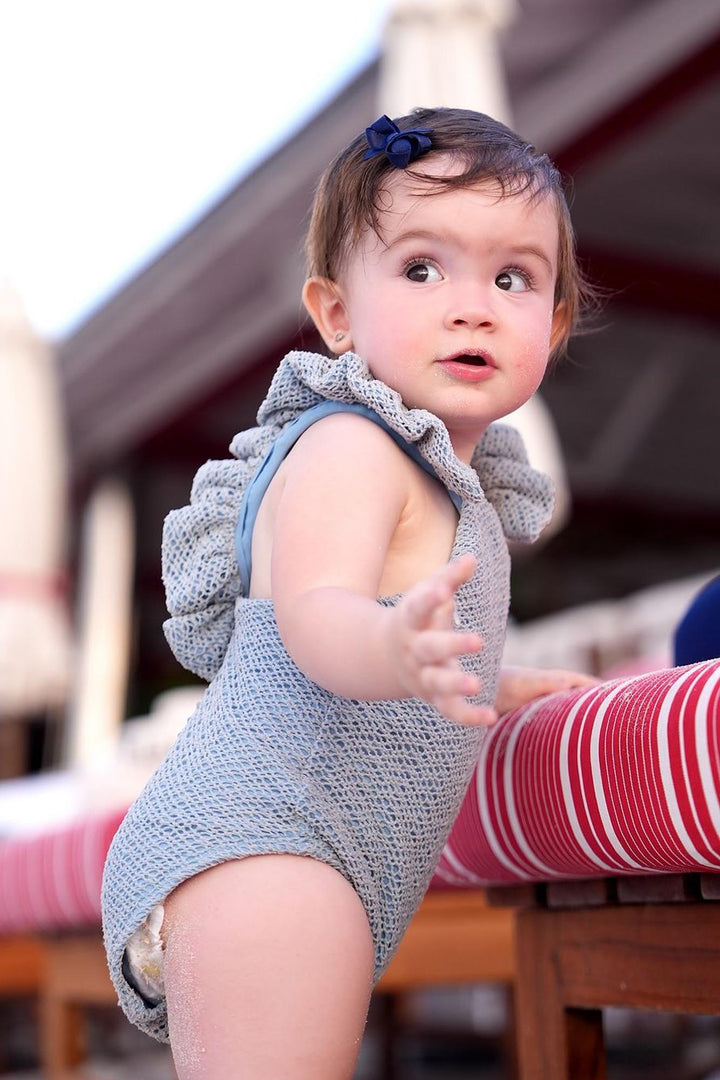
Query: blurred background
[159, 165]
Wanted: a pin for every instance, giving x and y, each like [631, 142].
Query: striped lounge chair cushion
[52, 881]
[623, 778]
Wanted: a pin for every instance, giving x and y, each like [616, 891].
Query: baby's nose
[473, 312]
[469, 303]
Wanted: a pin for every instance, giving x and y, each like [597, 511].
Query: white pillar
[105, 627]
[445, 53]
[35, 643]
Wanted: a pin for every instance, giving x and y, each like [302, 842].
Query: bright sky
[124, 121]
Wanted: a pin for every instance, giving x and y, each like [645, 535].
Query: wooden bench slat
[592, 892]
[532, 894]
[663, 889]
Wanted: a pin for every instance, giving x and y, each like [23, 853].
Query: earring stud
[340, 335]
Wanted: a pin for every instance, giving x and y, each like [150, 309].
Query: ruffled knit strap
[499, 472]
[304, 378]
[522, 497]
[200, 570]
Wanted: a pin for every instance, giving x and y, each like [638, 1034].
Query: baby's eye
[512, 281]
[422, 271]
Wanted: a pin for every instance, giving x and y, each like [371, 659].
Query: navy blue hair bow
[399, 147]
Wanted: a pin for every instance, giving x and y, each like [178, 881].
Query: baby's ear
[560, 326]
[326, 307]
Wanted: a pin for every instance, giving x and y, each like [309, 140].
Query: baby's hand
[426, 646]
[519, 685]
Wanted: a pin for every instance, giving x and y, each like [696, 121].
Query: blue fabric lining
[255, 491]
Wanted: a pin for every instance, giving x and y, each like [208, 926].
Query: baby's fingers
[457, 572]
[426, 600]
[438, 646]
[422, 602]
[442, 682]
[463, 712]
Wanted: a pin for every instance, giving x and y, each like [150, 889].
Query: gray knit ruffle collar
[499, 471]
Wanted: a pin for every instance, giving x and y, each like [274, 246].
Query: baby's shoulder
[348, 441]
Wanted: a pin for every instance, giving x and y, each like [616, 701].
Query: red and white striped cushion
[620, 779]
[623, 778]
[52, 881]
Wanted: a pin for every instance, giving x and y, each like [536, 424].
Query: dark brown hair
[348, 199]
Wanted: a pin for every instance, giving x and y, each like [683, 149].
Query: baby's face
[452, 305]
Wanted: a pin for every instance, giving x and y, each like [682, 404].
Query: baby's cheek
[532, 358]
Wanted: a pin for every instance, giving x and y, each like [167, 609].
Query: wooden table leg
[555, 1041]
[509, 1037]
[76, 975]
[574, 963]
[386, 1010]
[61, 1037]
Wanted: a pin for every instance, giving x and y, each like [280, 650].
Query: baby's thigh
[268, 971]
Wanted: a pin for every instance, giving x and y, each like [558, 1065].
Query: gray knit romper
[270, 762]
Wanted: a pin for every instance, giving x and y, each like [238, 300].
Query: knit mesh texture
[272, 763]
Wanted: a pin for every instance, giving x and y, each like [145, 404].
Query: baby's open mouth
[469, 358]
[472, 359]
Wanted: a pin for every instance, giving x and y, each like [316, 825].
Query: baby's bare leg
[268, 971]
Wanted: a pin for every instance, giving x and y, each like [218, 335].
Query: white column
[35, 645]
